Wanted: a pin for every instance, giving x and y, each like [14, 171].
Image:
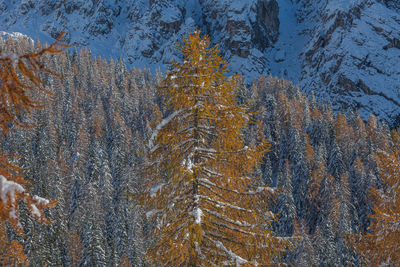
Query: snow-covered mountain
[347, 51]
[352, 55]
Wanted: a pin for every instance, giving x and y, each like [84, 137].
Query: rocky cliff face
[346, 51]
[353, 55]
[144, 32]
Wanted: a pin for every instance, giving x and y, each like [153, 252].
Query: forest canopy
[330, 177]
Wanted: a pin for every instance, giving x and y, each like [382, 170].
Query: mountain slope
[353, 55]
[346, 51]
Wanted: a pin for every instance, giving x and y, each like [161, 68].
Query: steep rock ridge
[155, 27]
[391, 3]
[352, 57]
[144, 32]
[243, 30]
[84, 21]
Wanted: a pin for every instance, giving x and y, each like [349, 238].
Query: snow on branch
[223, 204]
[164, 122]
[205, 182]
[197, 213]
[226, 219]
[235, 258]
[40, 200]
[155, 189]
[9, 190]
[10, 193]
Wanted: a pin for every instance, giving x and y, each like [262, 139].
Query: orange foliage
[317, 176]
[11, 253]
[9, 207]
[381, 244]
[358, 167]
[396, 137]
[19, 76]
[309, 151]
[315, 114]
[124, 262]
[206, 203]
[284, 108]
[343, 131]
[74, 245]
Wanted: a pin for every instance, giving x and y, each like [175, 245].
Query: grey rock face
[352, 57]
[144, 32]
[242, 26]
[346, 51]
[267, 23]
[391, 3]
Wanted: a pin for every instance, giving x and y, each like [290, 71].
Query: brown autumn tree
[11, 253]
[380, 245]
[19, 78]
[208, 207]
[74, 245]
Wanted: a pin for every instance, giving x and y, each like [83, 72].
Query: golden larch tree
[19, 80]
[208, 207]
[380, 245]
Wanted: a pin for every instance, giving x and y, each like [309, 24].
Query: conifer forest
[102, 164]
